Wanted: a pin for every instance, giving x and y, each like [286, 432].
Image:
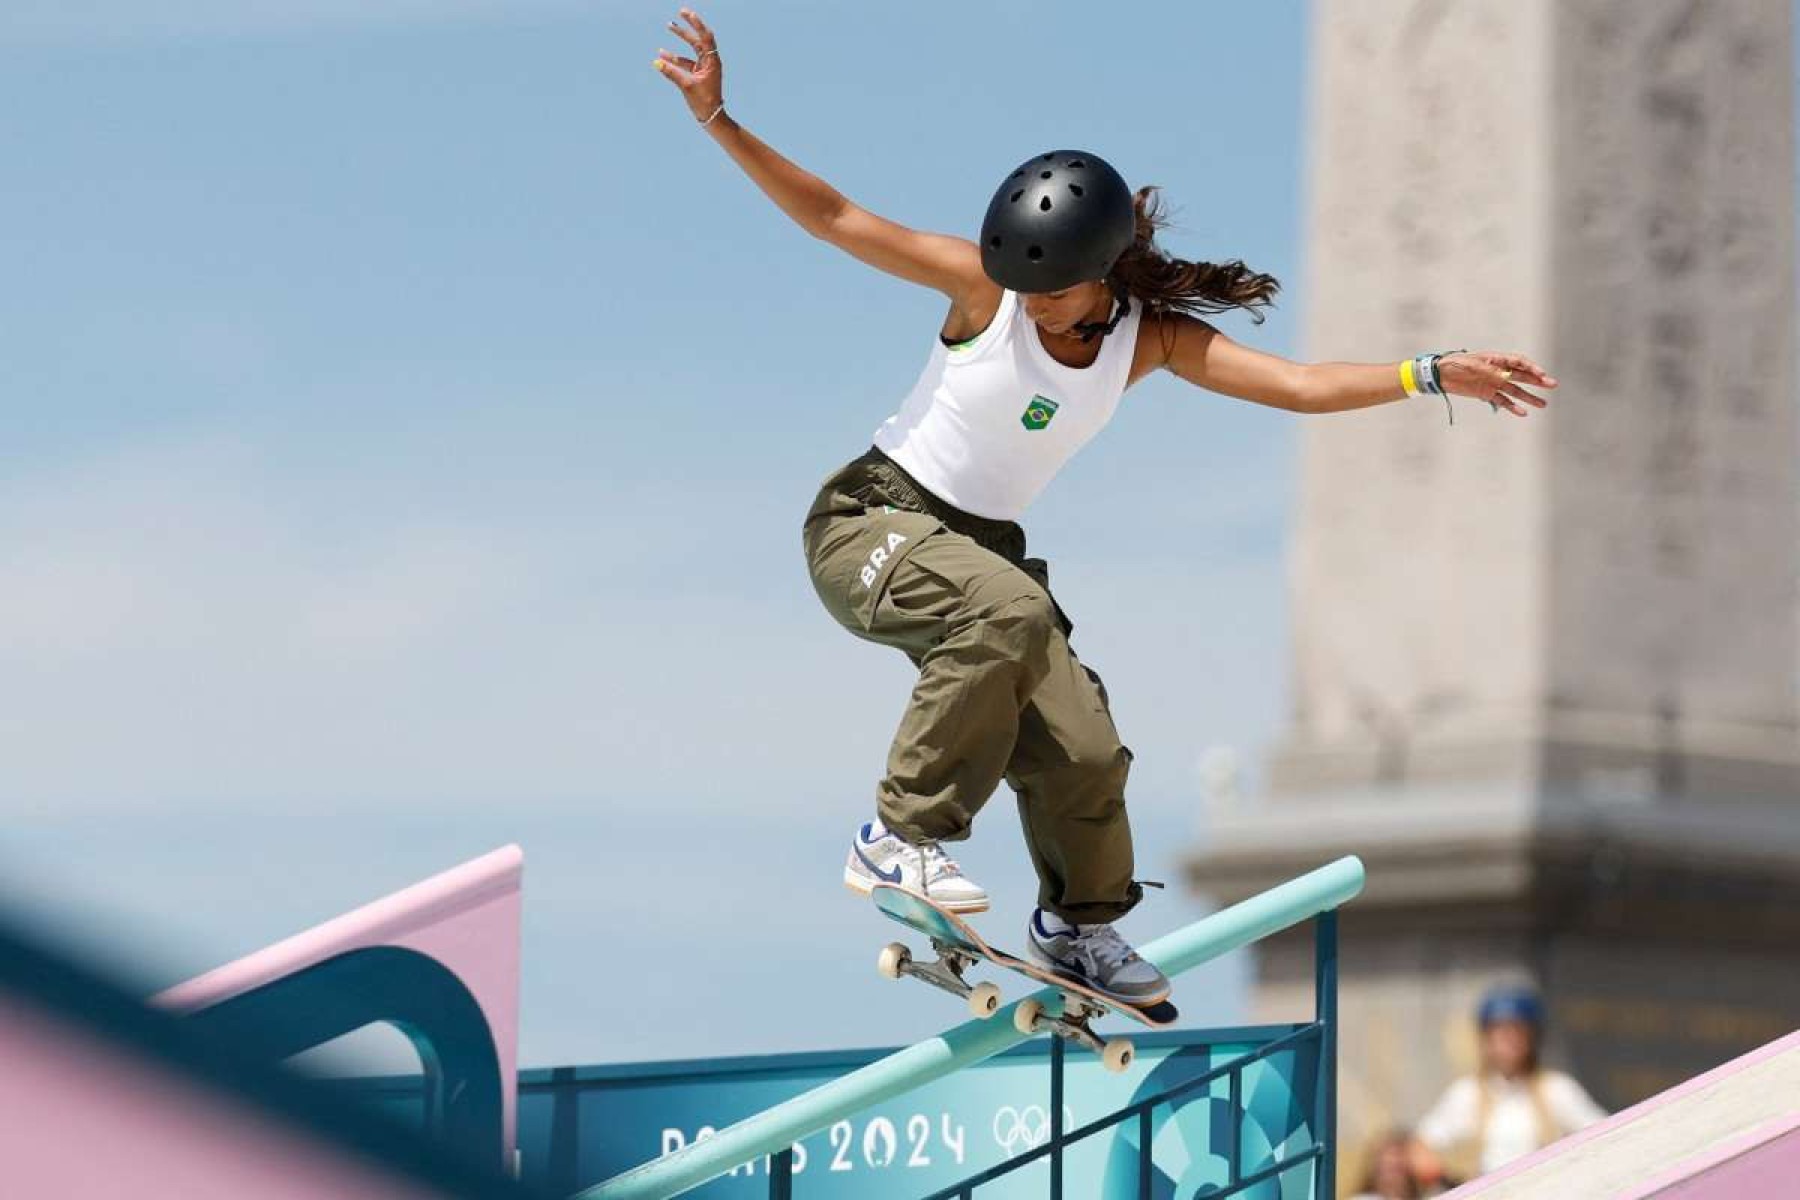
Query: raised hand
[1494, 377]
[701, 78]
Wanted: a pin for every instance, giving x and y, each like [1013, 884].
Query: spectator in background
[1513, 1106]
[1393, 1171]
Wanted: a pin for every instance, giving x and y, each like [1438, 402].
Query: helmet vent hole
[1035, 253]
[1075, 163]
[1019, 174]
[1049, 158]
[1076, 188]
[994, 241]
[1047, 175]
[1044, 204]
[1017, 194]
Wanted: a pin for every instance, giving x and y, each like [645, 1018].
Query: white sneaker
[877, 856]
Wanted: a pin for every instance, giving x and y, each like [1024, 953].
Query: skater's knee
[1009, 619]
[1028, 614]
[1100, 762]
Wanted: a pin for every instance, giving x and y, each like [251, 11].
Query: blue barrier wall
[578, 1126]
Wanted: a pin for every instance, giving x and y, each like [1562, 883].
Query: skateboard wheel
[984, 1000]
[893, 960]
[1118, 1055]
[1027, 1015]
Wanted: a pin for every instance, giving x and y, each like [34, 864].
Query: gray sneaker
[1097, 956]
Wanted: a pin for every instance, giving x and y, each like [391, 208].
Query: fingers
[692, 39]
[702, 39]
[1519, 393]
[1519, 365]
[1511, 396]
[1498, 398]
[685, 72]
[705, 31]
[679, 71]
[1498, 378]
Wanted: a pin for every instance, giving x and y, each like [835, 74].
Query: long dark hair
[1166, 284]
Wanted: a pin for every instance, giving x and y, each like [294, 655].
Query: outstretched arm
[946, 264]
[1200, 354]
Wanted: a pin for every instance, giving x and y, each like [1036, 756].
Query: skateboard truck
[1074, 1023]
[1029, 1017]
[946, 973]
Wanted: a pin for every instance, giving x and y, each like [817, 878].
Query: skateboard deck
[958, 946]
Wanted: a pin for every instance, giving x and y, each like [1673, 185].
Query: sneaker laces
[934, 864]
[1104, 948]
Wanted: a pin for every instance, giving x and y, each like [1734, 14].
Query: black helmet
[1061, 219]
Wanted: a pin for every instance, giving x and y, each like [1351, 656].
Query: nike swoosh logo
[885, 876]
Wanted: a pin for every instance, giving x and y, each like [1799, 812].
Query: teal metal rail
[776, 1129]
[1321, 1156]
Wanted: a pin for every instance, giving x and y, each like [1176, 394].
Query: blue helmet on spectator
[1511, 1002]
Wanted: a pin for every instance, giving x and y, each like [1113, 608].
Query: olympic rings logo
[1019, 1129]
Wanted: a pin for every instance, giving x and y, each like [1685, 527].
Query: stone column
[1544, 671]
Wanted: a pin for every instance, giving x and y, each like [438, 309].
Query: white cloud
[87, 21]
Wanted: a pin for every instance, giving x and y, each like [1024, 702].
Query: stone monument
[1544, 670]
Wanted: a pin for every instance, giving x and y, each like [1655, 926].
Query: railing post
[781, 1175]
[1234, 1166]
[1325, 985]
[1056, 1117]
[1145, 1162]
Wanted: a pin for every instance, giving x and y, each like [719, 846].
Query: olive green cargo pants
[1000, 693]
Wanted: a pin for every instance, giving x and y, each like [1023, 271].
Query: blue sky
[409, 418]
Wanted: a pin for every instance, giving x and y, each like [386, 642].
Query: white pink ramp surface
[99, 1100]
[467, 918]
[86, 1120]
[1730, 1134]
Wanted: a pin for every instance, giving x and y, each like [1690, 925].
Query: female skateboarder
[1512, 1104]
[1062, 303]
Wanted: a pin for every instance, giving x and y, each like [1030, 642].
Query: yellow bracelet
[1407, 381]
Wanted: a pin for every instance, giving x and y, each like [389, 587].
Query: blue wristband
[1432, 381]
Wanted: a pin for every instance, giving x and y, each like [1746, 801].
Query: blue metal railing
[1320, 1034]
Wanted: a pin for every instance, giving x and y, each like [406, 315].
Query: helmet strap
[1089, 330]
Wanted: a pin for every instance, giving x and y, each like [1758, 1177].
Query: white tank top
[991, 421]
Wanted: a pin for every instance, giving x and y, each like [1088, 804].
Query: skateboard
[959, 947]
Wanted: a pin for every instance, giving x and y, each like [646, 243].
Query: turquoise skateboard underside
[914, 913]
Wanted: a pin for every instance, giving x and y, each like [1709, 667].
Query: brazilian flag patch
[1038, 412]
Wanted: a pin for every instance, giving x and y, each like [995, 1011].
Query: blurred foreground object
[106, 1096]
[438, 961]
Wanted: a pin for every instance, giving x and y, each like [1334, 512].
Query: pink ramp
[467, 919]
[1730, 1134]
[88, 1120]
